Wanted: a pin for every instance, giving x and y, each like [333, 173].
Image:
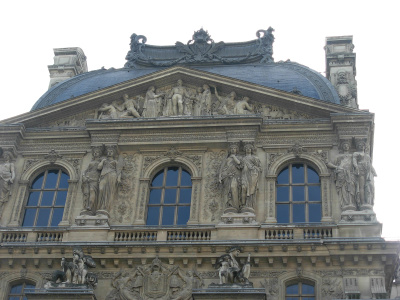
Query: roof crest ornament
[201, 49]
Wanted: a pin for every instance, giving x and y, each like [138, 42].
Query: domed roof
[284, 76]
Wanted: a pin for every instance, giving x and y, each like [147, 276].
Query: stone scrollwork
[347, 90]
[154, 281]
[212, 186]
[332, 288]
[7, 176]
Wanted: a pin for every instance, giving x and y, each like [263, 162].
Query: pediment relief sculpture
[354, 177]
[154, 281]
[183, 100]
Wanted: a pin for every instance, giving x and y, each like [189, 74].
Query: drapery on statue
[230, 177]
[250, 175]
[345, 178]
[90, 182]
[128, 108]
[152, 104]
[230, 271]
[365, 173]
[226, 104]
[7, 176]
[109, 178]
[74, 272]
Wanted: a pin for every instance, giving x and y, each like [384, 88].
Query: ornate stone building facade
[202, 170]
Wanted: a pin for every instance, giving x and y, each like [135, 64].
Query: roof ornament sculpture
[201, 49]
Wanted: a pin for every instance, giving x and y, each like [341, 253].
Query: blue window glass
[298, 195]
[300, 291]
[46, 200]
[17, 291]
[283, 177]
[282, 194]
[170, 197]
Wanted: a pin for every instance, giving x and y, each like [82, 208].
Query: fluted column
[72, 188]
[195, 203]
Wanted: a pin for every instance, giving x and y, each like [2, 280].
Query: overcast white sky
[31, 29]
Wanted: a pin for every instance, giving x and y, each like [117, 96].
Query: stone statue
[365, 173]
[90, 182]
[230, 272]
[249, 180]
[242, 107]
[109, 178]
[345, 179]
[7, 176]
[230, 177]
[129, 108]
[176, 96]
[152, 103]
[226, 104]
[206, 100]
[198, 102]
[74, 273]
[107, 111]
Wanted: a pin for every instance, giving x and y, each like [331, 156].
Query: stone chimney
[341, 68]
[68, 62]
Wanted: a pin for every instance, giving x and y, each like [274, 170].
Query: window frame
[22, 282]
[163, 187]
[299, 295]
[44, 172]
[290, 185]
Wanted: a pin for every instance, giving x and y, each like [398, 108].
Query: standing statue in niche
[90, 182]
[176, 97]
[345, 179]
[230, 272]
[109, 178]
[7, 176]
[249, 180]
[365, 173]
[152, 103]
[230, 177]
[242, 107]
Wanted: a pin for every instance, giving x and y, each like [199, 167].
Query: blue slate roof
[285, 76]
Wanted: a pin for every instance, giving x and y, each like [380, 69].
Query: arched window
[17, 291]
[170, 197]
[298, 194]
[300, 291]
[46, 201]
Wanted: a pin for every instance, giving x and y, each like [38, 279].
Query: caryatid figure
[345, 179]
[229, 176]
[250, 175]
[365, 173]
[90, 182]
[7, 176]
